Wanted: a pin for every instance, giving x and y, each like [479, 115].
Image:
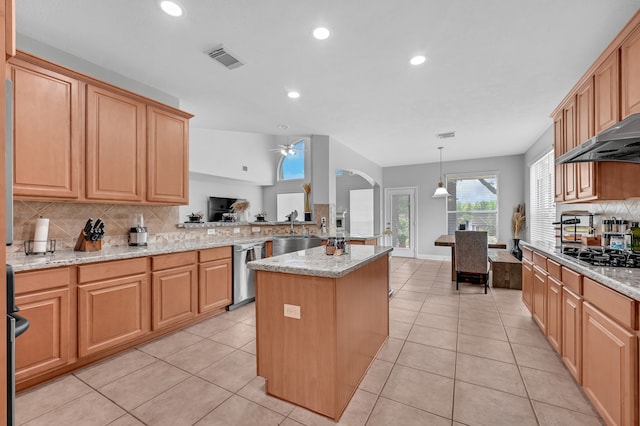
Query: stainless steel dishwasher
[244, 286]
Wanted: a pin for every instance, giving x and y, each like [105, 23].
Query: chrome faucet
[291, 217]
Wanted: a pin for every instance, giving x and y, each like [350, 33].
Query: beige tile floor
[452, 358]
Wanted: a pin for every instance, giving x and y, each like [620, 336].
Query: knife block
[83, 244]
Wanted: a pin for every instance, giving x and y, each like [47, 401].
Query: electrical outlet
[292, 311]
[236, 230]
[255, 229]
[211, 231]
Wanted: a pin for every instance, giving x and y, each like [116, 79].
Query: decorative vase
[307, 216]
[516, 251]
[307, 209]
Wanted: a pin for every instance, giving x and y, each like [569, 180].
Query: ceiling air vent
[225, 57]
[446, 135]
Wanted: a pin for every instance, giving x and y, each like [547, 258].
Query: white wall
[431, 212]
[223, 153]
[202, 186]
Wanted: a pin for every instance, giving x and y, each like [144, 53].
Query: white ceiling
[495, 70]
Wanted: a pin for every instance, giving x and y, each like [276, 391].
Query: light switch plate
[255, 229]
[211, 232]
[292, 311]
[236, 230]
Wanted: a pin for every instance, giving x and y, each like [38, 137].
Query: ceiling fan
[288, 149]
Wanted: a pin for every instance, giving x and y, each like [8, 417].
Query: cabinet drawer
[214, 254]
[174, 260]
[527, 254]
[614, 304]
[554, 269]
[539, 260]
[572, 280]
[27, 282]
[114, 269]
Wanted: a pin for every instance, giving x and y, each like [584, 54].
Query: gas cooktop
[599, 256]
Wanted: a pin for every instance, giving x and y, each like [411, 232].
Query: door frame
[412, 191]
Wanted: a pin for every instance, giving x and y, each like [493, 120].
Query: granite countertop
[623, 280]
[316, 262]
[191, 225]
[22, 262]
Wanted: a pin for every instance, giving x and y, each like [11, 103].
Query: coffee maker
[138, 233]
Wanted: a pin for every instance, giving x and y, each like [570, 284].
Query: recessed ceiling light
[171, 8]
[321, 33]
[293, 95]
[417, 60]
[283, 126]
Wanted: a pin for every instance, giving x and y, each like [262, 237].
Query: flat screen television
[217, 207]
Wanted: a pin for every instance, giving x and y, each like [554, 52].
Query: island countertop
[316, 262]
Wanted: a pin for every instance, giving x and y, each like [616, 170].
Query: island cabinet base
[317, 336]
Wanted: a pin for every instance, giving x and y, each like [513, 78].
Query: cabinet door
[630, 70]
[112, 312]
[540, 298]
[570, 188]
[554, 313]
[609, 362]
[584, 131]
[46, 157]
[175, 296]
[607, 93]
[45, 345]
[214, 285]
[115, 146]
[527, 284]
[168, 157]
[559, 149]
[572, 332]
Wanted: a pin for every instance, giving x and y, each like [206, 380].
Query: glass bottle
[635, 236]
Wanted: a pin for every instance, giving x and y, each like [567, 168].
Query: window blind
[542, 209]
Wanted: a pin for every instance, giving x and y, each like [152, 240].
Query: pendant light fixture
[441, 191]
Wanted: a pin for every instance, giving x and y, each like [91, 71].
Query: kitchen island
[320, 322]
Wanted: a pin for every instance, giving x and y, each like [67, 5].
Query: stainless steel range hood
[620, 142]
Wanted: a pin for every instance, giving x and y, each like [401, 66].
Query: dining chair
[471, 258]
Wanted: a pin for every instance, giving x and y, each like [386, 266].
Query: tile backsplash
[626, 209]
[66, 221]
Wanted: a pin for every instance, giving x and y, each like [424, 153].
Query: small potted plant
[260, 216]
[402, 240]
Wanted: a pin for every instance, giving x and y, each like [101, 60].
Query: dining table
[450, 241]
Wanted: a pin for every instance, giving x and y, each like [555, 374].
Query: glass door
[400, 216]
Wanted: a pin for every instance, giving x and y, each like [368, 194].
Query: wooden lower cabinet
[610, 367]
[214, 279]
[174, 289]
[572, 332]
[46, 344]
[114, 308]
[539, 310]
[554, 313]
[268, 248]
[527, 284]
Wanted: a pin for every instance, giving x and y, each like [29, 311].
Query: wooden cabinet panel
[630, 70]
[46, 161]
[572, 280]
[114, 269]
[214, 254]
[569, 173]
[173, 260]
[527, 284]
[584, 131]
[539, 311]
[112, 312]
[9, 28]
[559, 149]
[554, 313]
[572, 332]
[214, 282]
[168, 157]
[268, 248]
[609, 369]
[619, 307]
[607, 93]
[115, 146]
[175, 296]
[46, 344]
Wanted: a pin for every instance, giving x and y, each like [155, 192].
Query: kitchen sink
[289, 243]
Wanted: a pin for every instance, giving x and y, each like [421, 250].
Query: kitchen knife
[87, 227]
[95, 230]
[99, 231]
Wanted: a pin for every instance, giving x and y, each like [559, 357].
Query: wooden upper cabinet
[10, 28]
[584, 131]
[606, 85]
[630, 70]
[46, 131]
[558, 147]
[167, 157]
[115, 146]
[569, 175]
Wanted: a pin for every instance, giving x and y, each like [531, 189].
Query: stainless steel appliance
[341, 221]
[138, 233]
[620, 142]
[602, 256]
[16, 325]
[244, 286]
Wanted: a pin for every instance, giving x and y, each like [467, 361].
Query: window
[474, 202]
[286, 203]
[542, 211]
[292, 165]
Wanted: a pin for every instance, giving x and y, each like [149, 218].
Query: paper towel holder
[29, 245]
